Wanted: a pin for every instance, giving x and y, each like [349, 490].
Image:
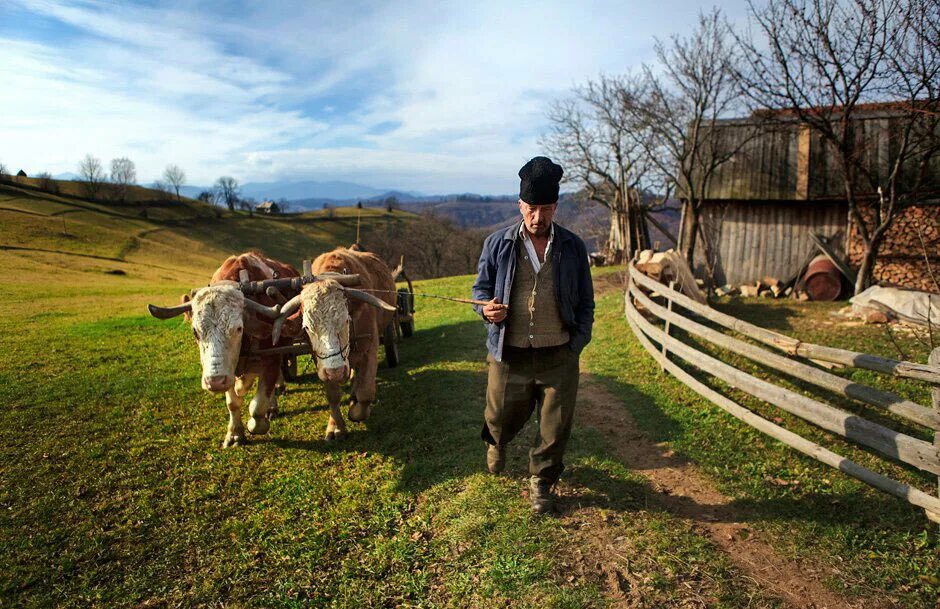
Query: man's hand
[495, 312]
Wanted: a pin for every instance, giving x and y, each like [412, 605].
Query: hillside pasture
[184, 235]
[117, 493]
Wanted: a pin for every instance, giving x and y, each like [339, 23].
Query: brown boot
[495, 458]
[540, 495]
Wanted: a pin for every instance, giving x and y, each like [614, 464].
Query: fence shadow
[838, 509]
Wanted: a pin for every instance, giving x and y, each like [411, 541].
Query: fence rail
[888, 442]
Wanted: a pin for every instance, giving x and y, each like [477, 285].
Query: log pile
[901, 257]
[669, 266]
[768, 287]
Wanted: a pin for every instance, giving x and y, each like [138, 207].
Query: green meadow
[116, 492]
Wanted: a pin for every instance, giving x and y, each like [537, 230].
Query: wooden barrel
[822, 279]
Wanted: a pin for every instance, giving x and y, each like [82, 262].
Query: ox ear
[187, 299]
[369, 299]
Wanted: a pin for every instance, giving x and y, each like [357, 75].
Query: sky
[432, 97]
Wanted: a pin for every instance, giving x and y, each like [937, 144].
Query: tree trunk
[863, 279]
[865, 270]
[618, 242]
[690, 233]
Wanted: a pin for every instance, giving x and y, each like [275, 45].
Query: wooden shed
[783, 185]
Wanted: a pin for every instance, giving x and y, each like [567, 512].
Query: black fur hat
[539, 181]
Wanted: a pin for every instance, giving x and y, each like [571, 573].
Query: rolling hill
[150, 238]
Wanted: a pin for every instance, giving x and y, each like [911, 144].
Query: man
[536, 279]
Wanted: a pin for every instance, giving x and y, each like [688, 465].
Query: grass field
[116, 491]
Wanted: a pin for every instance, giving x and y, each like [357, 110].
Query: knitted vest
[533, 313]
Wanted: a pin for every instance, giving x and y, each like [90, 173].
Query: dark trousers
[546, 378]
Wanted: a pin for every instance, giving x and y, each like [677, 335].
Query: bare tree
[3, 170]
[227, 190]
[248, 204]
[824, 62]
[207, 196]
[175, 178]
[694, 89]
[596, 139]
[165, 190]
[46, 183]
[92, 174]
[432, 246]
[284, 205]
[123, 174]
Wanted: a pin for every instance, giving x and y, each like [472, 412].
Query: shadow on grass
[760, 312]
[426, 417]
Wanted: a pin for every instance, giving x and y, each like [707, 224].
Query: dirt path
[684, 492]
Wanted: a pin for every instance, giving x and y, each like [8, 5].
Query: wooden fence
[888, 442]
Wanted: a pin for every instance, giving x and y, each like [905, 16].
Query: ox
[225, 324]
[343, 326]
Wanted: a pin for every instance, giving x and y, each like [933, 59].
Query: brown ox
[225, 324]
[344, 332]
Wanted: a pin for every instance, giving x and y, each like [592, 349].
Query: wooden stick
[856, 391]
[935, 359]
[922, 372]
[481, 303]
[891, 443]
[823, 455]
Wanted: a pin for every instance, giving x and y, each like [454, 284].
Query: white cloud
[284, 91]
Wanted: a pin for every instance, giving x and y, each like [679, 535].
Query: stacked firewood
[669, 266]
[901, 258]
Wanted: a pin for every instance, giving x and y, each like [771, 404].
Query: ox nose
[218, 383]
[335, 374]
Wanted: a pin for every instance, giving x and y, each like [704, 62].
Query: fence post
[935, 360]
[672, 285]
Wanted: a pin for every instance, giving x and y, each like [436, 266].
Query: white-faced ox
[343, 326]
[225, 323]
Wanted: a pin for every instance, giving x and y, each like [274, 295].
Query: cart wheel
[407, 328]
[289, 368]
[391, 346]
[406, 309]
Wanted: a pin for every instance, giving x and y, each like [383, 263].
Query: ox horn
[343, 279]
[369, 299]
[257, 307]
[168, 312]
[289, 308]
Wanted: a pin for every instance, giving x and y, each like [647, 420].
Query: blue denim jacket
[574, 290]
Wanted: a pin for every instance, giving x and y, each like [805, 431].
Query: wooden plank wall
[771, 238]
[769, 164]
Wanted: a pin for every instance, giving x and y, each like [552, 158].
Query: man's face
[537, 218]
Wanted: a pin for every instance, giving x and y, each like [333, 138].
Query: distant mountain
[293, 191]
[68, 175]
[307, 194]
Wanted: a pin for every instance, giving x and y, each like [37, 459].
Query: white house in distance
[268, 207]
